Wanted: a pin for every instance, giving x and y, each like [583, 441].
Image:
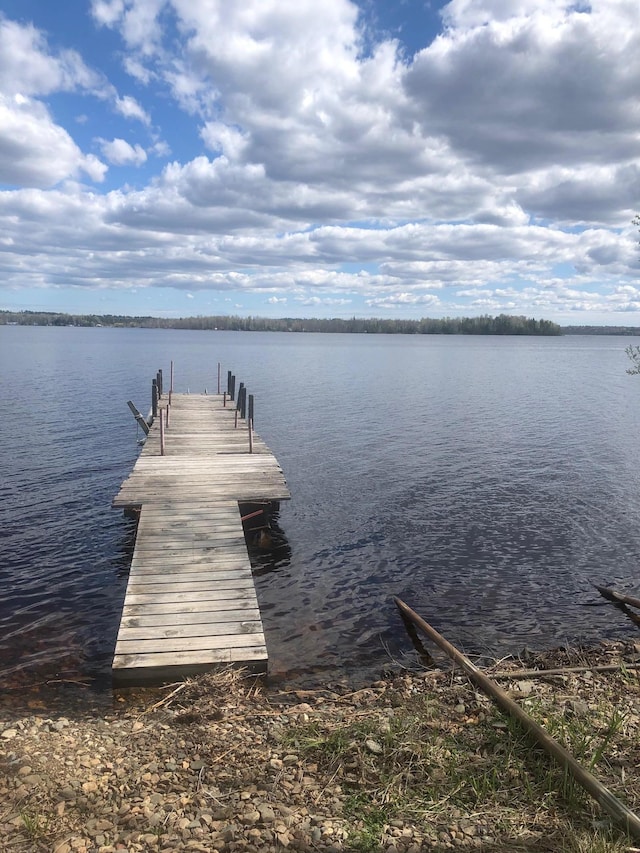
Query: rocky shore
[412, 762]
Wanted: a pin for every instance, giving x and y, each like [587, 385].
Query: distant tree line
[601, 330]
[504, 324]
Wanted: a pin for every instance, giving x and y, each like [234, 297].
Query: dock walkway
[190, 602]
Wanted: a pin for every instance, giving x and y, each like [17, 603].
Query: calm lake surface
[486, 481]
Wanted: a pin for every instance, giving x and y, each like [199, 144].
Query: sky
[297, 158]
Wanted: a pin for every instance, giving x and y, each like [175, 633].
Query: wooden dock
[190, 602]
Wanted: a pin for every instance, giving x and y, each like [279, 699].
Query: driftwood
[564, 670]
[617, 597]
[624, 817]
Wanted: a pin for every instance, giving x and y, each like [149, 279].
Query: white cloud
[36, 152]
[542, 85]
[137, 20]
[402, 300]
[107, 12]
[28, 67]
[160, 148]
[130, 108]
[138, 70]
[120, 152]
[223, 139]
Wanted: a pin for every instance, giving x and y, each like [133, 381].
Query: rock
[576, 708]
[267, 814]
[374, 746]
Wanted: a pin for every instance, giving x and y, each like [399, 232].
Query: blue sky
[296, 158]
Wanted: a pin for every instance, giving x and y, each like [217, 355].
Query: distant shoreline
[502, 324]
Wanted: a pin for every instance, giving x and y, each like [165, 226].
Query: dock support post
[229, 383]
[251, 409]
[161, 434]
[243, 403]
[159, 378]
[154, 398]
[171, 381]
[232, 392]
[218, 377]
[239, 401]
[250, 436]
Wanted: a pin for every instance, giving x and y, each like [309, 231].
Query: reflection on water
[486, 482]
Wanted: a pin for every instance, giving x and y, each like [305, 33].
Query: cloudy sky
[387, 158]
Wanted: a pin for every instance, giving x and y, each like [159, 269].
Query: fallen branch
[623, 816]
[563, 670]
[617, 597]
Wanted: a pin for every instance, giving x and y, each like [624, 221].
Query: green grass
[36, 826]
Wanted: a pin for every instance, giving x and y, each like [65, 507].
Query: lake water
[486, 481]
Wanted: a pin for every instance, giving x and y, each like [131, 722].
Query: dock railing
[244, 408]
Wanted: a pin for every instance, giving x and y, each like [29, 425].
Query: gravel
[214, 765]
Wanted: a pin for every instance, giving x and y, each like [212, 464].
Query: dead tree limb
[617, 597]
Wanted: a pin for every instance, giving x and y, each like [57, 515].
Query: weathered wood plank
[156, 562]
[237, 595]
[169, 665]
[202, 542]
[171, 609]
[162, 620]
[177, 576]
[243, 492]
[180, 588]
[196, 631]
[189, 644]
